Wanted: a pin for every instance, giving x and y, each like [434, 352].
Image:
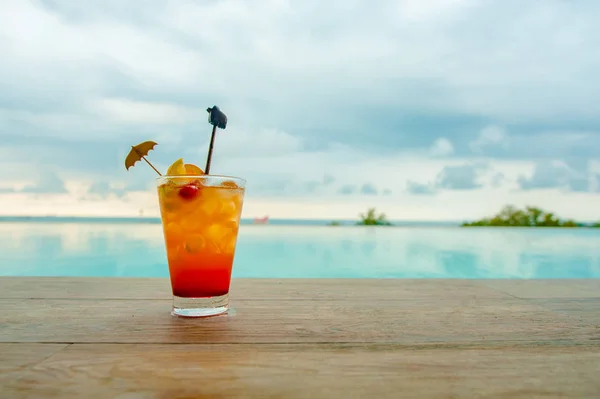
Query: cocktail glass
[200, 218]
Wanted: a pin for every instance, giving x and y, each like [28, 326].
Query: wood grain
[84, 288]
[249, 289]
[16, 358]
[347, 338]
[584, 310]
[310, 371]
[547, 288]
[452, 320]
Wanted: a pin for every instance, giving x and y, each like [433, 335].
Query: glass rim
[222, 177]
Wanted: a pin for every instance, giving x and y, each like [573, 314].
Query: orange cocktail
[200, 217]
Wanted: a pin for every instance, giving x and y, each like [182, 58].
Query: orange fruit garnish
[193, 170]
[178, 168]
[229, 184]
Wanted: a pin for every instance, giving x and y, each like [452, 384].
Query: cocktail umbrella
[139, 152]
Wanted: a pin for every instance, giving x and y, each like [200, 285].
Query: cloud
[497, 179]
[312, 186]
[420, 188]
[328, 179]
[460, 177]
[455, 177]
[347, 189]
[556, 174]
[490, 136]
[368, 189]
[449, 77]
[140, 112]
[441, 147]
[102, 189]
[47, 183]
[234, 142]
[408, 95]
[315, 186]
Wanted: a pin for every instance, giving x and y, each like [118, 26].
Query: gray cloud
[48, 183]
[102, 189]
[312, 186]
[490, 136]
[368, 189]
[357, 80]
[453, 177]
[419, 188]
[452, 76]
[270, 185]
[549, 175]
[579, 184]
[461, 177]
[347, 189]
[328, 179]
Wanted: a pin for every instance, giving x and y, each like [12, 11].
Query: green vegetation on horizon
[372, 219]
[511, 216]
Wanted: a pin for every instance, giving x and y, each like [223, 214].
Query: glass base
[200, 307]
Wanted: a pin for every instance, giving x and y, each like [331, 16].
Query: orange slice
[193, 170]
[229, 184]
[177, 168]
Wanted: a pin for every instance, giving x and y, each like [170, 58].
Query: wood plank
[425, 320]
[551, 288]
[255, 289]
[18, 356]
[310, 371]
[15, 358]
[585, 310]
[84, 288]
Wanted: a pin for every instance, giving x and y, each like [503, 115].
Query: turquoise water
[137, 249]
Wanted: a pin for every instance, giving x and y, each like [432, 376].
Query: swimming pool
[98, 249]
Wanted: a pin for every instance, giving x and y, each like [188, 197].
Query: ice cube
[228, 243]
[229, 210]
[192, 221]
[223, 235]
[209, 201]
[215, 232]
[194, 243]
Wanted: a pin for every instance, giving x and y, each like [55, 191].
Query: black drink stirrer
[218, 120]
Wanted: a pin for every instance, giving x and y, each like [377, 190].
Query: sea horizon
[245, 221]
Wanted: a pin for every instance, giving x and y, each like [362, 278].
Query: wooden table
[314, 338]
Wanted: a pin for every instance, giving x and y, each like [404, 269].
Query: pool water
[98, 249]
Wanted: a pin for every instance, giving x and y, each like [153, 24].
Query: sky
[426, 110]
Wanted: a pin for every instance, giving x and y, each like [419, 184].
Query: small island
[511, 216]
[371, 218]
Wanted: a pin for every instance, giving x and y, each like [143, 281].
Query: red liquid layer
[201, 276]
